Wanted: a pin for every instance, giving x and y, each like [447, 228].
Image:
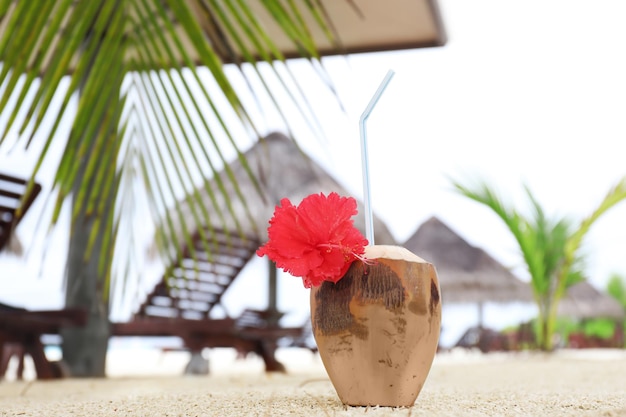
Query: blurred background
[523, 92]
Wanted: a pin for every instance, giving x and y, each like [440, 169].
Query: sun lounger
[12, 197]
[21, 331]
[182, 303]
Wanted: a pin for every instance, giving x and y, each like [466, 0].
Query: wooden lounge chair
[182, 302]
[21, 329]
[487, 340]
[12, 197]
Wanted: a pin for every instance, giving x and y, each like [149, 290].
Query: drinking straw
[369, 219]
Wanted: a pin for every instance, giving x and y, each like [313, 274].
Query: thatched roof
[361, 26]
[284, 171]
[466, 273]
[583, 301]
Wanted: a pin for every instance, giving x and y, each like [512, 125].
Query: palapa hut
[583, 301]
[191, 287]
[283, 171]
[467, 274]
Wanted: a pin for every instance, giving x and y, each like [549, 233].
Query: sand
[567, 383]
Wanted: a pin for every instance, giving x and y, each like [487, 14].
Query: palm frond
[615, 195]
[156, 111]
[525, 235]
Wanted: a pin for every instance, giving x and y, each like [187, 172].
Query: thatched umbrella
[467, 274]
[361, 26]
[584, 301]
[284, 171]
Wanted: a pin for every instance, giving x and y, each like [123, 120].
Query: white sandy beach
[567, 383]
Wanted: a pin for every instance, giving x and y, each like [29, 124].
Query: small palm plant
[550, 247]
[616, 288]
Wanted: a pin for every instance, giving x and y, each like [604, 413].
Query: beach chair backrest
[12, 192]
[196, 283]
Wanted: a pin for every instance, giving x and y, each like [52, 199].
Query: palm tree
[550, 247]
[155, 116]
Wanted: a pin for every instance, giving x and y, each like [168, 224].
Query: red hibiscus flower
[316, 240]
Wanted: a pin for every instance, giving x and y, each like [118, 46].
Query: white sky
[531, 90]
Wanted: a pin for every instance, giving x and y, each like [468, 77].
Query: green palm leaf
[616, 194]
[146, 123]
